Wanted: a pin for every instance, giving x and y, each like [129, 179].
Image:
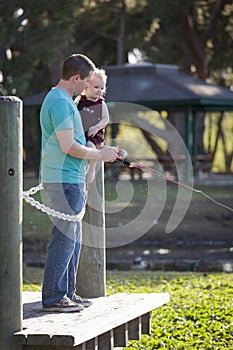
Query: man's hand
[109, 154]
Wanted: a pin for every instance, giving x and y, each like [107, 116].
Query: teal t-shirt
[59, 112]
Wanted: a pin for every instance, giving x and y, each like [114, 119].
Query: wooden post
[188, 139]
[91, 276]
[10, 221]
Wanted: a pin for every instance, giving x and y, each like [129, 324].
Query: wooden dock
[108, 324]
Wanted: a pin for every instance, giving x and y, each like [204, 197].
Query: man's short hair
[77, 64]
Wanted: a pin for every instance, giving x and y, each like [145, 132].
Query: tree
[106, 29]
[34, 35]
[196, 35]
[188, 33]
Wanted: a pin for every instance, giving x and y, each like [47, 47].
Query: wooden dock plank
[38, 339]
[146, 323]
[92, 344]
[61, 339]
[121, 335]
[103, 317]
[106, 341]
[135, 328]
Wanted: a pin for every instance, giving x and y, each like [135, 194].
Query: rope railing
[45, 209]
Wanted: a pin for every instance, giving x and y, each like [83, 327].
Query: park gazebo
[163, 87]
[160, 87]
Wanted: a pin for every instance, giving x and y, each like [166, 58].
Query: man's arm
[74, 149]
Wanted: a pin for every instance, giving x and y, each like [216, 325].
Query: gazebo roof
[34, 100]
[164, 86]
[157, 86]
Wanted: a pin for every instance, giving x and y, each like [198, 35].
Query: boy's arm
[105, 115]
[102, 123]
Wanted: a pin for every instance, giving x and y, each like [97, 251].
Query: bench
[202, 163]
[109, 323]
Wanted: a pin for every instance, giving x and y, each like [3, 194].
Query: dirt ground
[203, 241]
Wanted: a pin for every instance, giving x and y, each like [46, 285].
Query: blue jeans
[64, 248]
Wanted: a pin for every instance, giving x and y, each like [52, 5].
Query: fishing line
[136, 165]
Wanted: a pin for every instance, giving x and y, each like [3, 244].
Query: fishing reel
[122, 154]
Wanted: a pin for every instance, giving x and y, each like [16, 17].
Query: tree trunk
[217, 136]
[121, 35]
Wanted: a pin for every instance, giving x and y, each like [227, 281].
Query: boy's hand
[92, 131]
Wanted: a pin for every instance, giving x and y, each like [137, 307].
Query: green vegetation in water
[198, 316]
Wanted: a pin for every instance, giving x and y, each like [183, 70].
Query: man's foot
[80, 301]
[64, 305]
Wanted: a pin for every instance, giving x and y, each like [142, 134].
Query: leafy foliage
[196, 35]
[35, 37]
[198, 316]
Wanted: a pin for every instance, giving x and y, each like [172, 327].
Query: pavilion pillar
[188, 137]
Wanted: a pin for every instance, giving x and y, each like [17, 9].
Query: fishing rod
[121, 157]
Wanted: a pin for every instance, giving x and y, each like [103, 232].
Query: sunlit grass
[199, 315]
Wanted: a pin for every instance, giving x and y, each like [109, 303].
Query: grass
[198, 317]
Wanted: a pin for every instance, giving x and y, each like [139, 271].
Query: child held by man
[94, 113]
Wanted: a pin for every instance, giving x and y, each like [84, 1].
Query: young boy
[94, 113]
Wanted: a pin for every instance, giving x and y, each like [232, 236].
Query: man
[63, 174]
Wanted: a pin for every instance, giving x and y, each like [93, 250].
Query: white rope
[57, 214]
